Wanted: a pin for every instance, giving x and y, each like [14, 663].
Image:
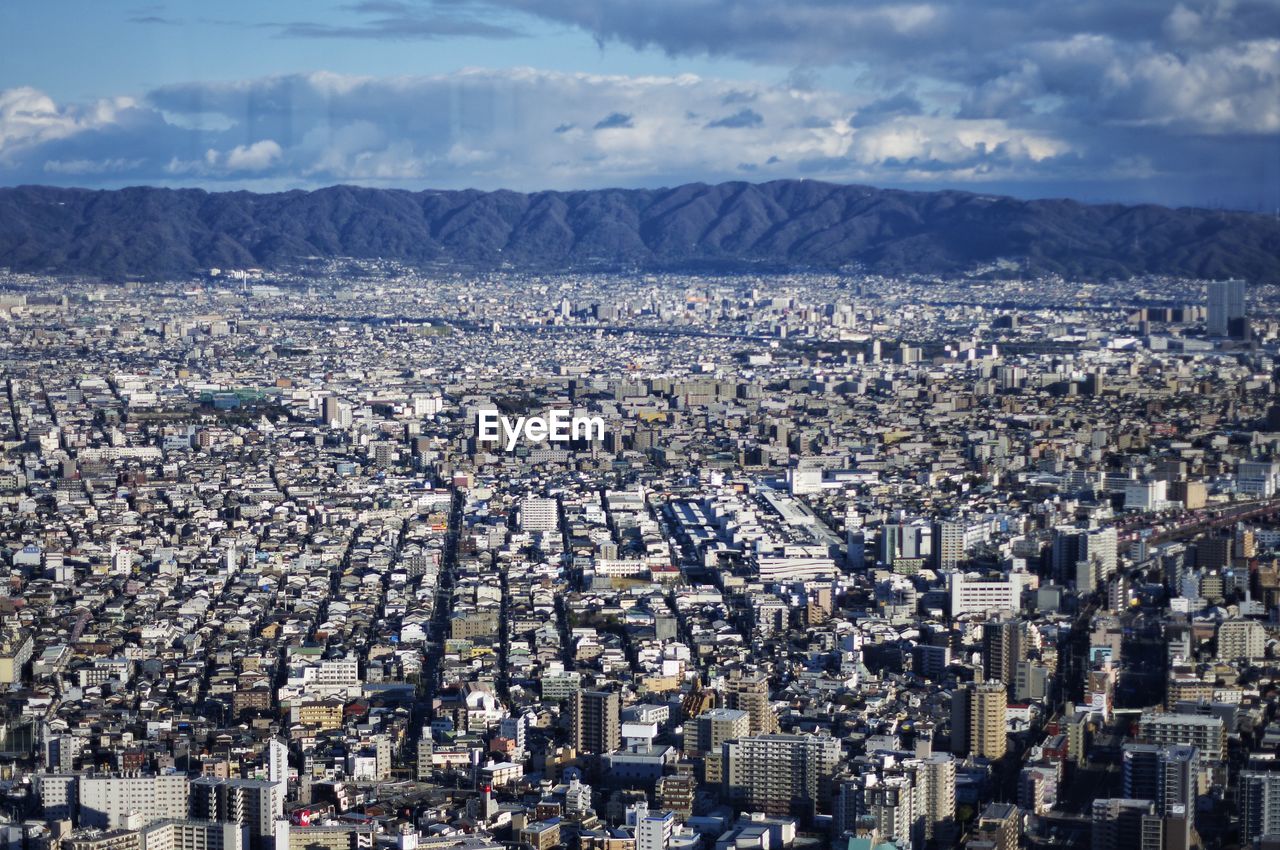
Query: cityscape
[850, 562]
[640, 425]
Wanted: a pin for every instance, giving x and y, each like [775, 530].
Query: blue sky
[1129, 100]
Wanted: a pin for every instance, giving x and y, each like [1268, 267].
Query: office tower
[1226, 309]
[978, 719]
[538, 514]
[1122, 824]
[105, 800]
[1004, 646]
[749, 692]
[254, 804]
[709, 730]
[1259, 804]
[948, 544]
[781, 774]
[596, 724]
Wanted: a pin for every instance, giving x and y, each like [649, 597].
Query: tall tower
[1226, 308]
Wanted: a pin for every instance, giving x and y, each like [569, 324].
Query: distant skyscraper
[1226, 306]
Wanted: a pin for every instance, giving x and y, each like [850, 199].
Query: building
[1259, 804]
[254, 804]
[105, 800]
[1226, 308]
[1241, 639]
[539, 515]
[1206, 733]
[974, 594]
[288, 836]
[781, 774]
[998, 826]
[1169, 776]
[191, 835]
[709, 730]
[1122, 824]
[1004, 645]
[936, 789]
[978, 719]
[749, 692]
[596, 724]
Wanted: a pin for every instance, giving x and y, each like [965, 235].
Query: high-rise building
[936, 789]
[1169, 776]
[277, 761]
[948, 544]
[254, 804]
[1004, 644]
[892, 804]
[1259, 804]
[978, 719]
[781, 774]
[596, 724]
[749, 692]
[1226, 308]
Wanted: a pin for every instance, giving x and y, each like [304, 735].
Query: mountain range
[153, 233]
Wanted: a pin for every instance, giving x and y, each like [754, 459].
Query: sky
[1174, 102]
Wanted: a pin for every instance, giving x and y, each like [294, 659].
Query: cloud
[529, 129]
[1200, 66]
[397, 21]
[614, 121]
[739, 119]
[254, 157]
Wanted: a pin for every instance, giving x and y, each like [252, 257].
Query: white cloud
[30, 117]
[255, 157]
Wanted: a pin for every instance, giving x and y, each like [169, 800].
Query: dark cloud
[741, 118]
[1191, 66]
[614, 121]
[900, 103]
